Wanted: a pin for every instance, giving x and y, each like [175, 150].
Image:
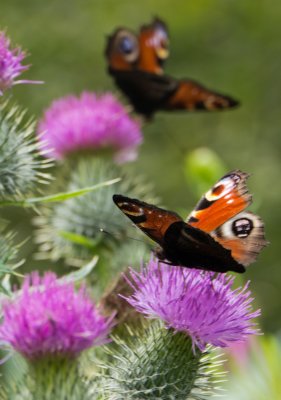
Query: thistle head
[11, 64]
[21, 167]
[91, 123]
[201, 304]
[49, 317]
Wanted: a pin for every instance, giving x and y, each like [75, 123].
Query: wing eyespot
[128, 46]
[242, 227]
[125, 44]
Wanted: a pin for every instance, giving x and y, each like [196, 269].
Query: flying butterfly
[218, 235]
[135, 62]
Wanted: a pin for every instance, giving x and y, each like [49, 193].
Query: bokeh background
[229, 45]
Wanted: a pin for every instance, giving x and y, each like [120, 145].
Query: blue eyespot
[127, 45]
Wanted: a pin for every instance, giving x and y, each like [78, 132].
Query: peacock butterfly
[135, 62]
[218, 235]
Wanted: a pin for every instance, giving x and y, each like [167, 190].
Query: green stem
[56, 378]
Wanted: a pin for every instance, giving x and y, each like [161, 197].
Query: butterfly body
[147, 92]
[188, 246]
[136, 64]
[217, 236]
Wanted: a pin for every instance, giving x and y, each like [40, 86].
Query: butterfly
[136, 64]
[218, 235]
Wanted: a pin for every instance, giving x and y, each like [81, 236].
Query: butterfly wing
[190, 247]
[220, 212]
[122, 50]
[228, 197]
[190, 96]
[181, 244]
[243, 235]
[154, 46]
[152, 220]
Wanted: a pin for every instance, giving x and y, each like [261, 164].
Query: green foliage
[202, 168]
[46, 379]
[158, 364]
[57, 197]
[21, 168]
[82, 226]
[8, 256]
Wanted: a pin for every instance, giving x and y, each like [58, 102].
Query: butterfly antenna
[116, 236]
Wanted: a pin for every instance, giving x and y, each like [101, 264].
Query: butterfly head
[122, 49]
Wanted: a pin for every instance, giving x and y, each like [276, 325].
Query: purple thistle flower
[49, 317]
[202, 304]
[89, 122]
[10, 64]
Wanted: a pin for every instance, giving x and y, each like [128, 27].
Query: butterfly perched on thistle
[135, 61]
[218, 235]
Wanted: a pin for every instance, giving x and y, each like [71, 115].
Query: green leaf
[79, 239]
[58, 197]
[81, 273]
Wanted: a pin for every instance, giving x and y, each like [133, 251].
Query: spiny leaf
[58, 197]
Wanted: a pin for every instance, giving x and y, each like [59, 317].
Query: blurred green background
[229, 45]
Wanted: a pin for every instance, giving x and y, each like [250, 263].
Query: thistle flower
[201, 304]
[48, 317]
[90, 122]
[11, 64]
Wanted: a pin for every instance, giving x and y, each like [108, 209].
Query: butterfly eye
[242, 227]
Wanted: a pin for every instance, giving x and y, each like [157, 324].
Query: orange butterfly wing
[153, 221]
[220, 212]
[243, 235]
[228, 197]
[190, 95]
[122, 50]
[153, 45]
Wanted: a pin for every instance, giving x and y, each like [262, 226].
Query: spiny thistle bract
[8, 254]
[159, 364]
[72, 230]
[8, 249]
[21, 167]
